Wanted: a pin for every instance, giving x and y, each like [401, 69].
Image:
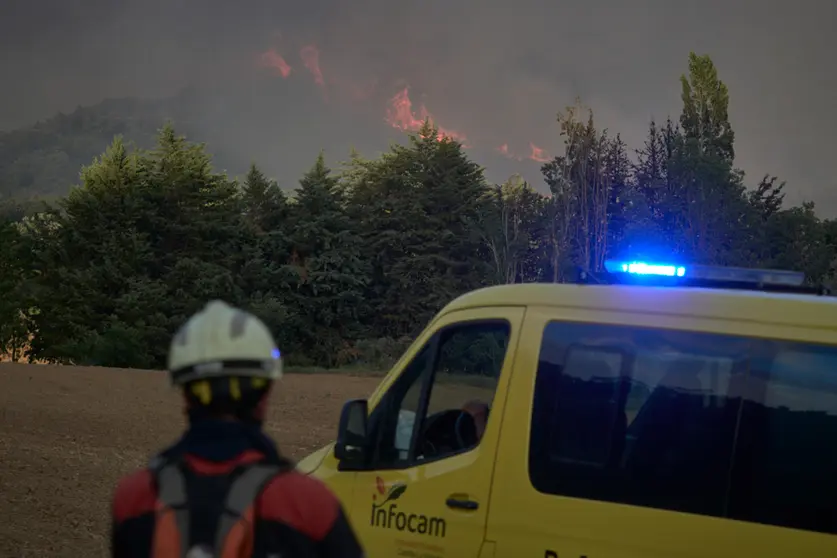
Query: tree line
[355, 261]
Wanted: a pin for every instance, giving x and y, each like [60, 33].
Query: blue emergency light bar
[705, 273]
[642, 268]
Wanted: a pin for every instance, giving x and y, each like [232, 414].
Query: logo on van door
[386, 515]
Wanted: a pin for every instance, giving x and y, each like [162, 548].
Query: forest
[358, 258]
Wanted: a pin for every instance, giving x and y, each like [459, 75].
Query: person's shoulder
[300, 501]
[135, 495]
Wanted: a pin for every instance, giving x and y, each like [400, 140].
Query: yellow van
[626, 420]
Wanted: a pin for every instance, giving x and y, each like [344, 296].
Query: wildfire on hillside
[400, 115]
[399, 112]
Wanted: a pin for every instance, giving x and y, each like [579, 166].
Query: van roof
[795, 310]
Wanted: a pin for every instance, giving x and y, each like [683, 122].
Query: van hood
[312, 462]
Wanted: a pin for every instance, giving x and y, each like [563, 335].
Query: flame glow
[538, 154]
[311, 58]
[400, 115]
[504, 151]
[400, 112]
[273, 60]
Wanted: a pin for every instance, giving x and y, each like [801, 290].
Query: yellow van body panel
[516, 520]
[705, 309]
[575, 527]
[418, 522]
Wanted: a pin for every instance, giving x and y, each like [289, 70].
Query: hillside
[44, 160]
[280, 124]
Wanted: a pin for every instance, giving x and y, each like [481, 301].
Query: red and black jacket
[294, 516]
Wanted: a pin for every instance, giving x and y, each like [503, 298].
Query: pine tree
[145, 241]
[265, 204]
[421, 204]
[328, 259]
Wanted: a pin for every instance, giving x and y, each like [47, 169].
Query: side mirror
[351, 445]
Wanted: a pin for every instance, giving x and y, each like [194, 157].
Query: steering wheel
[465, 429]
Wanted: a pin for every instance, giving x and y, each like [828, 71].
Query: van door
[614, 428]
[436, 426]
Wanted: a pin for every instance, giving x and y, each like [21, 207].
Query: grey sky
[496, 71]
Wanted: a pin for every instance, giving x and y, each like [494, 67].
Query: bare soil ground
[68, 433]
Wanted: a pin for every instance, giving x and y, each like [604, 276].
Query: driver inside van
[465, 432]
[478, 410]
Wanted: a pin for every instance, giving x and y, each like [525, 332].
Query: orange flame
[272, 59]
[538, 154]
[400, 115]
[311, 58]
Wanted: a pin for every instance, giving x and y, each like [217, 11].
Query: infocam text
[390, 517]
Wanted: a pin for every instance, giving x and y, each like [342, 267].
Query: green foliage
[141, 244]
[418, 208]
[347, 268]
[511, 229]
[331, 272]
[13, 327]
[45, 159]
[705, 116]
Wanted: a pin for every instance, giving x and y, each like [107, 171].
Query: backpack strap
[171, 491]
[242, 494]
[249, 480]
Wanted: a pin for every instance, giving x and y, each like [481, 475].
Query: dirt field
[67, 434]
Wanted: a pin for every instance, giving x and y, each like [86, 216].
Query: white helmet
[221, 340]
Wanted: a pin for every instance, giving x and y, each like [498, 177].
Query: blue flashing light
[643, 268]
[708, 273]
[276, 354]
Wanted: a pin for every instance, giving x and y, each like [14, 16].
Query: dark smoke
[498, 71]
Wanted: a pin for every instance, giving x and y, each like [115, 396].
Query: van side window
[441, 403]
[786, 458]
[637, 416]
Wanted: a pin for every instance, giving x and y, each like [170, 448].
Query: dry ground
[68, 433]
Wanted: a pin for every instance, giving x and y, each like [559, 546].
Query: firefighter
[223, 490]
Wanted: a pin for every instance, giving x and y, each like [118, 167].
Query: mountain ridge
[281, 125]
